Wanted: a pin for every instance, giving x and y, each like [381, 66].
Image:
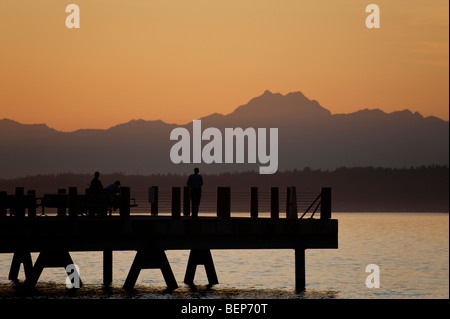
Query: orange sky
[182, 59]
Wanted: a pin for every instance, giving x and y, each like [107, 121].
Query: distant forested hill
[416, 189]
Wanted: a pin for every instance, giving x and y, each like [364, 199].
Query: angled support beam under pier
[200, 257]
[52, 259]
[148, 259]
[20, 257]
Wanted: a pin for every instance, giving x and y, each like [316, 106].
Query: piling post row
[325, 203]
[254, 202]
[176, 202]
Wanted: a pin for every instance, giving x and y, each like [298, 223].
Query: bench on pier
[88, 204]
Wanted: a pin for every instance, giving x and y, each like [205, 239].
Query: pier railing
[174, 201]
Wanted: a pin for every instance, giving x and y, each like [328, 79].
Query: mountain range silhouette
[309, 136]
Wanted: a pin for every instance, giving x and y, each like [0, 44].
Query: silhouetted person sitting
[195, 182]
[113, 188]
[96, 186]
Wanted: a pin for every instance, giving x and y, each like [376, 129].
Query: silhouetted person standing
[195, 182]
[96, 186]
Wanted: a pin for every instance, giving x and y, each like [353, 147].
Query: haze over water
[411, 249]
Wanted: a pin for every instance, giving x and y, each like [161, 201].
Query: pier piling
[124, 204]
[291, 203]
[20, 257]
[186, 201]
[153, 199]
[176, 202]
[200, 257]
[107, 267]
[300, 274]
[31, 194]
[325, 203]
[223, 202]
[72, 202]
[49, 259]
[19, 204]
[274, 203]
[148, 259]
[3, 203]
[61, 206]
[254, 202]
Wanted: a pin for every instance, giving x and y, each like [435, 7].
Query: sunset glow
[181, 60]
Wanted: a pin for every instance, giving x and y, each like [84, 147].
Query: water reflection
[52, 290]
[412, 251]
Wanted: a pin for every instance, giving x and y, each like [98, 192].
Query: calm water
[411, 251]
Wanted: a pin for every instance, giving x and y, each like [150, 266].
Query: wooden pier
[54, 237]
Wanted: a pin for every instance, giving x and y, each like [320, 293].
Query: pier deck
[166, 233]
[54, 237]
